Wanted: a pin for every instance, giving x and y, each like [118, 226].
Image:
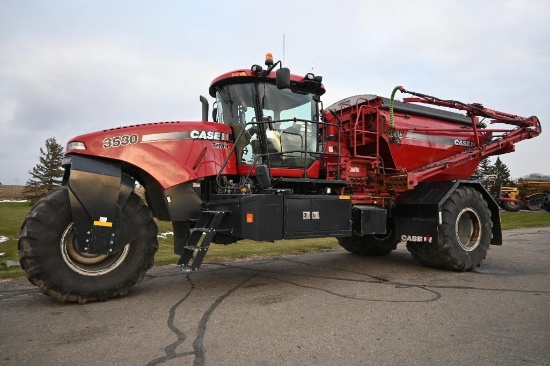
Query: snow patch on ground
[3, 239]
[165, 235]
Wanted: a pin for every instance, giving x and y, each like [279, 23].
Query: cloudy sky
[69, 67]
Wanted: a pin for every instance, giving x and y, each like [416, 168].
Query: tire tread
[34, 235]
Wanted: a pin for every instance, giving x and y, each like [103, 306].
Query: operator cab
[274, 116]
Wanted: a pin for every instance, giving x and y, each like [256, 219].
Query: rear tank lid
[409, 108]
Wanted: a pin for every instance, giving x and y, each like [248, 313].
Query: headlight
[76, 145]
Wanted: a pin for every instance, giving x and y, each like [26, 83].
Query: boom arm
[525, 128]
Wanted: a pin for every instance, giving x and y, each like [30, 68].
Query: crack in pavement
[424, 286]
[375, 280]
[198, 344]
[170, 350]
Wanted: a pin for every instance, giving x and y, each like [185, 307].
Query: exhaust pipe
[204, 102]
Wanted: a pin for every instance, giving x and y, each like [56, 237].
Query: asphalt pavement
[331, 308]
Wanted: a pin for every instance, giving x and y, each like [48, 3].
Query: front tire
[52, 262]
[464, 234]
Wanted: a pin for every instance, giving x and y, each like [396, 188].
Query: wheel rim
[468, 229]
[89, 264]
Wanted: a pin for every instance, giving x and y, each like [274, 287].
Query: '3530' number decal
[117, 141]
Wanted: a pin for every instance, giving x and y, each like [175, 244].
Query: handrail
[269, 154]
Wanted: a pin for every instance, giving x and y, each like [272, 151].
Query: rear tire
[535, 202]
[546, 203]
[512, 206]
[49, 256]
[371, 245]
[464, 234]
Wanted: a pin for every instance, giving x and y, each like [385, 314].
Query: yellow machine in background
[532, 194]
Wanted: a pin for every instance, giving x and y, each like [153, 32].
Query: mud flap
[417, 212]
[97, 191]
[418, 230]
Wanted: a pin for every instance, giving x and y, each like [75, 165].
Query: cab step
[206, 228]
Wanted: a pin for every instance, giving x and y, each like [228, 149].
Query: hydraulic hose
[392, 133]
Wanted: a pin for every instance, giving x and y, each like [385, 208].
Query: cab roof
[246, 75]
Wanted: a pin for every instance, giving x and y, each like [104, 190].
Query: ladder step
[184, 268]
[214, 212]
[207, 224]
[207, 230]
[203, 229]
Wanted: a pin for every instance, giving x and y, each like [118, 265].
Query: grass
[524, 219]
[12, 215]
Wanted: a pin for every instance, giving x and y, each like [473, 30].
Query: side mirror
[282, 78]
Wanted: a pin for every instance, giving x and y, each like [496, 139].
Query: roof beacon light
[269, 59]
[309, 76]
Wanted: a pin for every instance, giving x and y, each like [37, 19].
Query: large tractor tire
[511, 206]
[49, 256]
[371, 245]
[464, 234]
[546, 203]
[535, 202]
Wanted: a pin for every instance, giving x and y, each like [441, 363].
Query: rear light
[76, 145]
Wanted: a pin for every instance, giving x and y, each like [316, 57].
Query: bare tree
[537, 176]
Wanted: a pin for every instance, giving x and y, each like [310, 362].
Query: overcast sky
[71, 67]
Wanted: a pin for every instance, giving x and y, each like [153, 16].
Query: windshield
[289, 122]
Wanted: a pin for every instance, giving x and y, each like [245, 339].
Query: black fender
[98, 189]
[546, 203]
[417, 212]
[493, 207]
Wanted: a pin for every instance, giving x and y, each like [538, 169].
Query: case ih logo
[417, 239]
[465, 143]
[209, 135]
